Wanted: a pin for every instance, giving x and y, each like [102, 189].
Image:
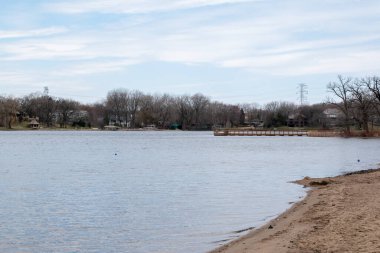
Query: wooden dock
[249, 132]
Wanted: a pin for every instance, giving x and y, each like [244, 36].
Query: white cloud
[48, 48]
[278, 41]
[12, 34]
[95, 67]
[22, 83]
[357, 61]
[134, 6]
[268, 47]
[14, 77]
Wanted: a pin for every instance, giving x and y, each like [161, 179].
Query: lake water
[161, 192]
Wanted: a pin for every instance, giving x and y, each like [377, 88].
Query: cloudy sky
[231, 50]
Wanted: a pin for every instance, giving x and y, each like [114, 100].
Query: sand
[339, 214]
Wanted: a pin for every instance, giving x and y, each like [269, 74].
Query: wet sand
[339, 214]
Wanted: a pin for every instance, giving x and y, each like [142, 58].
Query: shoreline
[338, 214]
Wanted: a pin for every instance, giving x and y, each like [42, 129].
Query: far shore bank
[80, 129]
[339, 214]
[222, 132]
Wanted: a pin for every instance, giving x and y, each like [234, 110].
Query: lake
[163, 192]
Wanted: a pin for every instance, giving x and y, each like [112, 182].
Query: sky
[234, 51]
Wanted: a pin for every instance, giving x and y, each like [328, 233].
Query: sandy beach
[339, 214]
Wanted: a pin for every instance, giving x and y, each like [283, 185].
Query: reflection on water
[154, 191]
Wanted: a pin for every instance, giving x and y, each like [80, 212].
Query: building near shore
[332, 117]
[34, 124]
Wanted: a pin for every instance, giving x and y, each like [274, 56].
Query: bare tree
[118, 105]
[9, 107]
[97, 114]
[145, 115]
[184, 111]
[373, 85]
[251, 111]
[233, 114]
[277, 113]
[341, 89]
[29, 105]
[363, 103]
[41, 106]
[218, 118]
[222, 115]
[65, 108]
[134, 103]
[314, 114]
[199, 103]
[163, 110]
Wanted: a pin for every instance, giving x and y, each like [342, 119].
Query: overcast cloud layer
[235, 51]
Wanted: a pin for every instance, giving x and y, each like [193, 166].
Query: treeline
[136, 109]
[358, 99]
[122, 108]
[356, 102]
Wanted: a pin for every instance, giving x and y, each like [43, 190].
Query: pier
[251, 132]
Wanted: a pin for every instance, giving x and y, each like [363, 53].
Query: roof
[296, 116]
[330, 111]
[34, 122]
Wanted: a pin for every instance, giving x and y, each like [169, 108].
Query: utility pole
[302, 92]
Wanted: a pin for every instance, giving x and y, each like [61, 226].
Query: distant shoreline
[339, 214]
[82, 129]
[239, 131]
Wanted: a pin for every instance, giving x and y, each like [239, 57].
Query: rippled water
[143, 192]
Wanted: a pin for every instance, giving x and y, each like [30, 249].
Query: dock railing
[254, 132]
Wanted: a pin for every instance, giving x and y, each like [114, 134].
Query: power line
[302, 92]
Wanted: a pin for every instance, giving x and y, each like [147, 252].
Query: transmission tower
[302, 92]
[46, 91]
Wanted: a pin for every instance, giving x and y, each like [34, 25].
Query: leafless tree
[276, 113]
[314, 114]
[363, 103]
[163, 109]
[40, 105]
[134, 103]
[146, 115]
[199, 103]
[252, 111]
[118, 104]
[341, 89]
[65, 108]
[29, 105]
[215, 111]
[9, 107]
[373, 85]
[184, 111]
[97, 114]
[233, 114]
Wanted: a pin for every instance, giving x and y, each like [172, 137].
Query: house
[332, 113]
[332, 117]
[34, 124]
[296, 120]
[118, 121]
[111, 128]
[257, 123]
